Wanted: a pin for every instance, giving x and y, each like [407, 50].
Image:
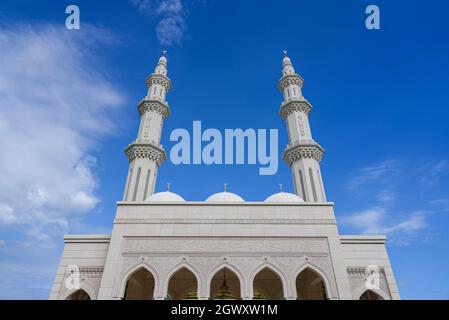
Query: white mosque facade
[163, 247]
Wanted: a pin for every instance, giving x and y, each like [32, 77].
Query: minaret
[303, 154]
[146, 153]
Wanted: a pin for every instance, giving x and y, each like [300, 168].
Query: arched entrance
[310, 286]
[140, 285]
[225, 285]
[267, 285]
[78, 295]
[370, 295]
[183, 285]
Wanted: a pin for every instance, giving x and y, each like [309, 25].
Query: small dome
[163, 59]
[286, 60]
[225, 197]
[165, 196]
[284, 197]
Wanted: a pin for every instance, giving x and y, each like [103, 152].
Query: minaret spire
[146, 154]
[303, 154]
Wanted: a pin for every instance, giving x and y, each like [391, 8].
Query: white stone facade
[290, 249]
[286, 238]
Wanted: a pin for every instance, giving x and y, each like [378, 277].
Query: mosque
[164, 247]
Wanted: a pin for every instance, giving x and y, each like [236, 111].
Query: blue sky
[68, 109]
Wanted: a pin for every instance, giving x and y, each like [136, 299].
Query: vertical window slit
[137, 184]
[130, 178]
[313, 185]
[301, 182]
[145, 195]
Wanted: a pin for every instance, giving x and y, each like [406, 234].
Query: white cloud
[376, 221]
[376, 173]
[171, 14]
[56, 104]
[432, 173]
[142, 5]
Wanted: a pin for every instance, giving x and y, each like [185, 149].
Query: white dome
[165, 196]
[284, 197]
[225, 197]
[286, 60]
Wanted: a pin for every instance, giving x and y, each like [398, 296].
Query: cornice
[226, 221]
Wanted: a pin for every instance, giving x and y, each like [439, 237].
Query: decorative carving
[295, 105]
[159, 79]
[299, 151]
[361, 272]
[86, 270]
[147, 151]
[256, 246]
[290, 79]
[302, 132]
[146, 128]
[153, 105]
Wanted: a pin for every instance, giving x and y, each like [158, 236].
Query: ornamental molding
[221, 246]
[146, 151]
[85, 270]
[160, 79]
[289, 80]
[303, 150]
[153, 105]
[227, 221]
[362, 272]
[295, 105]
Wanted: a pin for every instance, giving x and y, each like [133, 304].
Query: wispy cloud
[432, 173]
[171, 16]
[56, 104]
[441, 205]
[375, 173]
[376, 221]
[382, 187]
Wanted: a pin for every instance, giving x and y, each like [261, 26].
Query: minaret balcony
[159, 79]
[158, 106]
[301, 105]
[146, 150]
[303, 149]
[291, 79]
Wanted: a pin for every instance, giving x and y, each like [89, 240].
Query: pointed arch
[131, 271]
[84, 286]
[273, 269]
[231, 268]
[79, 294]
[317, 271]
[179, 267]
[358, 293]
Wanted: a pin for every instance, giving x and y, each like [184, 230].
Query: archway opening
[225, 285]
[183, 285]
[267, 285]
[310, 286]
[370, 295]
[140, 285]
[79, 295]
